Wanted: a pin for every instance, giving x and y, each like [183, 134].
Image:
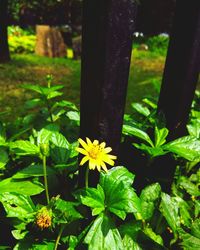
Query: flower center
[94, 152]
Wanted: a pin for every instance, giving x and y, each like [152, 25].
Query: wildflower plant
[42, 206]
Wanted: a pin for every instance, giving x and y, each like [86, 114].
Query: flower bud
[44, 149]
[44, 218]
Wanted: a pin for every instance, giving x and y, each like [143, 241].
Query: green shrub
[22, 44]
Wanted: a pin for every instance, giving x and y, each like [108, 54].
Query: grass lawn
[144, 80]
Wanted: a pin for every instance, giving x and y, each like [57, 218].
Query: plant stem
[86, 177]
[45, 178]
[49, 110]
[58, 237]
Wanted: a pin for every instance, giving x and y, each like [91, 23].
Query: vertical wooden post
[4, 49]
[181, 68]
[108, 27]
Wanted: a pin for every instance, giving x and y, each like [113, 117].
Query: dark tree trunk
[4, 49]
[181, 68]
[108, 27]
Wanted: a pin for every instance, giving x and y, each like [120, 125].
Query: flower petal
[103, 165]
[83, 144]
[84, 159]
[112, 157]
[103, 144]
[109, 161]
[82, 151]
[107, 150]
[92, 164]
[95, 142]
[88, 142]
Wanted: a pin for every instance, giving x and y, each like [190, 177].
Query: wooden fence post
[4, 48]
[108, 27]
[181, 68]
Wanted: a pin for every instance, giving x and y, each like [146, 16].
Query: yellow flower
[96, 153]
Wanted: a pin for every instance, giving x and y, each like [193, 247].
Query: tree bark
[4, 48]
[49, 42]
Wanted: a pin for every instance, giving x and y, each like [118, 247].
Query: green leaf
[103, 235]
[132, 131]
[153, 152]
[194, 128]
[35, 88]
[149, 232]
[151, 193]
[3, 158]
[131, 228]
[65, 211]
[21, 147]
[191, 241]
[60, 150]
[160, 136]
[169, 208]
[129, 243]
[189, 187]
[30, 104]
[94, 198]
[54, 94]
[74, 116]
[140, 109]
[21, 187]
[120, 173]
[19, 234]
[32, 171]
[187, 147]
[67, 104]
[150, 103]
[45, 134]
[120, 197]
[148, 197]
[18, 205]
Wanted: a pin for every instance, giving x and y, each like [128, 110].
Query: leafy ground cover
[145, 75]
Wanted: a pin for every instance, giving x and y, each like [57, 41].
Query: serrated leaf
[169, 208]
[148, 197]
[18, 205]
[187, 147]
[21, 187]
[129, 243]
[151, 192]
[60, 150]
[132, 131]
[120, 197]
[120, 173]
[189, 241]
[94, 198]
[21, 147]
[44, 135]
[194, 128]
[32, 171]
[66, 211]
[189, 187]
[103, 235]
